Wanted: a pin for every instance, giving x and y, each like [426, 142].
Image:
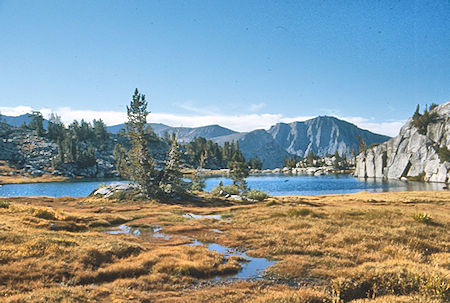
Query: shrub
[43, 213]
[444, 154]
[302, 212]
[198, 185]
[198, 182]
[4, 204]
[421, 121]
[422, 217]
[223, 190]
[257, 195]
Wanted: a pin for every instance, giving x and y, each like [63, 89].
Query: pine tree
[239, 171]
[310, 158]
[172, 183]
[120, 157]
[141, 163]
[37, 123]
[337, 160]
[55, 129]
[362, 144]
[99, 131]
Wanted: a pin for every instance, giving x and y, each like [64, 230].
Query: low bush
[257, 195]
[301, 212]
[4, 204]
[422, 218]
[223, 190]
[444, 154]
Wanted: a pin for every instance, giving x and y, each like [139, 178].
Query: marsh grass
[342, 248]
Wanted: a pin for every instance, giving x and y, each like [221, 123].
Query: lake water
[275, 185]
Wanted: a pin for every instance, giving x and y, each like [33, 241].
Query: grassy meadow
[385, 247]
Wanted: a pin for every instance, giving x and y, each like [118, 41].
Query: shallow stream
[252, 268]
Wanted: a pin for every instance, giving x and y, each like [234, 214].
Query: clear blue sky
[367, 60]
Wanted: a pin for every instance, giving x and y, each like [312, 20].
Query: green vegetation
[172, 180]
[290, 162]
[37, 123]
[203, 153]
[310, 158]
[362, 144]
[254, 194]
[78, 143]
[444, 154]
[255, 163]
[223, 190]
[421, 121]
[422, 217]
[198, 182]
[139, 165]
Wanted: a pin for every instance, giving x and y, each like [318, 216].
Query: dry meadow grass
[387, 247]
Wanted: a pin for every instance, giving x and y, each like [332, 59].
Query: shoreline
[48, 178]
[5, 180]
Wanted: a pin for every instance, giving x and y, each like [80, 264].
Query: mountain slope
[257, 143]
[20, 120]
[185, 134]
[322, 135]
[414, 153]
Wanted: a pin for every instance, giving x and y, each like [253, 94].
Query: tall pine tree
[141, 168]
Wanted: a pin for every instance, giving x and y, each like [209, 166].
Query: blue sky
[241, 64]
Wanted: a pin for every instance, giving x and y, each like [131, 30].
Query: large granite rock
[411, 154]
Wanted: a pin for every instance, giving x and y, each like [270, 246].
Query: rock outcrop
[413, 154]
[34, 156]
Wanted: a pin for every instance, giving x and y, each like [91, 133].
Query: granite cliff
[417, 153]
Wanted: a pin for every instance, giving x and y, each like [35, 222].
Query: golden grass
[22, 179]
[361, 247]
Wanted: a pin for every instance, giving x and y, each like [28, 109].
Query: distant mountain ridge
[20, 120]
[185, 134]
[321, 135]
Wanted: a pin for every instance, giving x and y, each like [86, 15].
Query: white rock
[410, 153]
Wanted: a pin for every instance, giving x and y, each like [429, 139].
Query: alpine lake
[274, 185]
